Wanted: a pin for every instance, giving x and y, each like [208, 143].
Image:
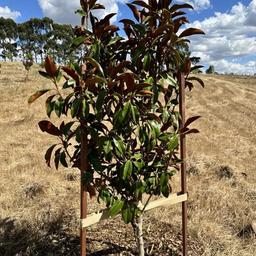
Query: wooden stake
[83, 204]
[183, 164]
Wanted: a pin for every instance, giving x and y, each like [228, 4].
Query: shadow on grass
[50, 240]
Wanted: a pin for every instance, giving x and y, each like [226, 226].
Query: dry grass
[39, 212]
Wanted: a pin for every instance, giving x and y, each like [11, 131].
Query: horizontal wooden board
[102, 215]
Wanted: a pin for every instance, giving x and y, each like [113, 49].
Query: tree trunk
[139, 234]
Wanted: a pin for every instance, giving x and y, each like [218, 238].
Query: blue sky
[230, 26]
[31, 8]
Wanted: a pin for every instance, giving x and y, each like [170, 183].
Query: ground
[39, 213]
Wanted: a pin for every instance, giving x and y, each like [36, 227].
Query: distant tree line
[33, 39]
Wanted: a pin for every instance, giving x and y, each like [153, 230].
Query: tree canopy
[35, 37]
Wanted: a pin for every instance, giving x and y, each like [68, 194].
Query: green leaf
[119, 145]
[127, 215]
[107, 147]
[155, 129]
[66, 129]
[85, 109]
[126, 110]
[58, 75]
[140, 28]
[78, 41]
[75, 66]
[173, 143]
[58, 107]
[165, 191]
[121, 116]
[80, 12]
[146, 62]
[166, 115]
[105, 196]
[164, 180]
[100, 100]
[37, 94]
[49, 105]
[95, 161]
[44, 74]
[139, 189]
[167, 79]
[127, 171]
[138, 156]
[75, 107]
[150, 80]
[139, 165]
[87, 177]
[114, 40]
[95, 64]
[116, 208]
[69, 83]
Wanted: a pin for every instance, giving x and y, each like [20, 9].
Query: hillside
[39, 213]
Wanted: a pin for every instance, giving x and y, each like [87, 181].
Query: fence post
[183, 164]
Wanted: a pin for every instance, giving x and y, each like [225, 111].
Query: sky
[230, 26]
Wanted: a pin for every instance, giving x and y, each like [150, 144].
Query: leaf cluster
[123, 94]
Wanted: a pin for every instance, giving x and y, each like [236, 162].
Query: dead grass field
[39, 207]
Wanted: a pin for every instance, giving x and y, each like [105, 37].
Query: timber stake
[183, 164]
[83, 203]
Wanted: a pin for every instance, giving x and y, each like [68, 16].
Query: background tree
[28, 63]
[8, 37]
[210, 70]
[59, 40]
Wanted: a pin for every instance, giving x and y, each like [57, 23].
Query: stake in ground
[120, 101]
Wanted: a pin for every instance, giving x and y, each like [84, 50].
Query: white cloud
[63, 11]
[198, 4]
[225, 66]
[231, 34]
[6, 12]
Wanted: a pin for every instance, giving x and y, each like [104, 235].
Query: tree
[122, 97]
[8, 37]
[210, 70]
[59, 41]
[28, 63]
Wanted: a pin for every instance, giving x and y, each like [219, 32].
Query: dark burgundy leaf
[50, 67]
[135, 11]
[176, 7]
[36, 95]
[199, 80]
[142, 4]
[72, 73]
[48, 155]
[47, 126]
[191, 31]
[191, 120]
[91, 190]
[196, 67]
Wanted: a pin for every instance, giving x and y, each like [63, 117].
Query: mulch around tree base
[113, 237]
[109, 237]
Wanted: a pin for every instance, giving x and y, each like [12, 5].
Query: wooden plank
[102, 215]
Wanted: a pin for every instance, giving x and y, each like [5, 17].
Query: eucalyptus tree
[8, 37]
[120, 100]
[59, 40]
